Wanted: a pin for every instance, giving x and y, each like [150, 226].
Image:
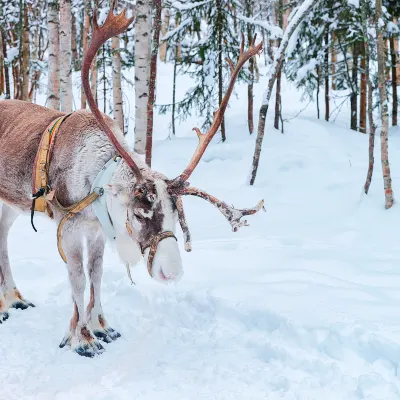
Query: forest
[288, 105]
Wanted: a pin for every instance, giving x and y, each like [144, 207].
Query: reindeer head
[150, 202]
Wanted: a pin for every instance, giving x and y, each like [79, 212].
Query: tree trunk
[295, 21]
[65, 56]
[93, 79]
[333, 60]
[164, 31]
[250, 100]
[326, 70]
[3, 45]
[53, 84]
[279, 75]
[118, 110]
[318, 84]
[354, 88]
[142, 31]
[25, 55]
[363, 92]
[74, 50]
[153, 80]
[393, 55]
[387, 180]
[174, 91]
[85, 43]
[371, 146]
[220, 66]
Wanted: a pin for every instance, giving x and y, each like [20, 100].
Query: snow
[302, 304]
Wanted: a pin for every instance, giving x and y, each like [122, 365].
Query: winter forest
[303, 302]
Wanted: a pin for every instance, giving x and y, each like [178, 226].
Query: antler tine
[232, 214]
[183, 224]
[205, 139]
[114, 25]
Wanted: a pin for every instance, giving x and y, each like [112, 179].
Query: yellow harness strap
[74, 209]
[40, 183]
[41, 170]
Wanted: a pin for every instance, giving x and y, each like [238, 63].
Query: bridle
[152, 243]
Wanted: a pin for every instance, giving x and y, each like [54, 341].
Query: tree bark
[85, 42]
[65, 56]
[387, 180]
[354, 88]
[250, 95]
[3, 44]
[220, 66]
[74, 50]
[326, 61]
[142, 30]
[53, 84]
[295, 21]
[333, 60]
[118, 110]
[153, 80]
[363, 91]
[318, 84]
[393, 55]
[370, 89]
[279, 75]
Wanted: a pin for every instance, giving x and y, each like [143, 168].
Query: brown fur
[21, 127]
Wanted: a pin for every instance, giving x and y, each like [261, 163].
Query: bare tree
[295, 21]
[393, 56]
[85, 42]
[278, 100]
[153, 79]
[370, 90]
[363, 90]
[380, 43]
[24, 94]
[53, 85]
[65, 56]
[117, 89]
[142, 55]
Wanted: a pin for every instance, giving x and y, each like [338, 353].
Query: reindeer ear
[114, 189]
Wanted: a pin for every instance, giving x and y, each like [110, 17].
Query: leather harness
[42, 195]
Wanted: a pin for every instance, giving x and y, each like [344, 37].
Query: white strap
[100, 205]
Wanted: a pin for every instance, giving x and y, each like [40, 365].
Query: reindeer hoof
[89, 349]
[22, 304]
[107, 335]
[4, 316]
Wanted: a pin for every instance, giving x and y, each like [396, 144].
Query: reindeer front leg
[95, 314]
[79, 337]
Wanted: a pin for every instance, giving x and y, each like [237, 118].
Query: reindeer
[142, 207]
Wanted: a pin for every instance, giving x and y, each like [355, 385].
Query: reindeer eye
[138, 216]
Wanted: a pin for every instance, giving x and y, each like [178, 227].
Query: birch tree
[384, 108]
[65, 56]
[24, 95]
[142, 71]
[300, 13]
[118, 111]
[53, 85]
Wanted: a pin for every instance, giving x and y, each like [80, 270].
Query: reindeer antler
[205, 138]
[180, 187]
[113, 25]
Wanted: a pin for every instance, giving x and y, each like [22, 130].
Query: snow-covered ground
[303, 304]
